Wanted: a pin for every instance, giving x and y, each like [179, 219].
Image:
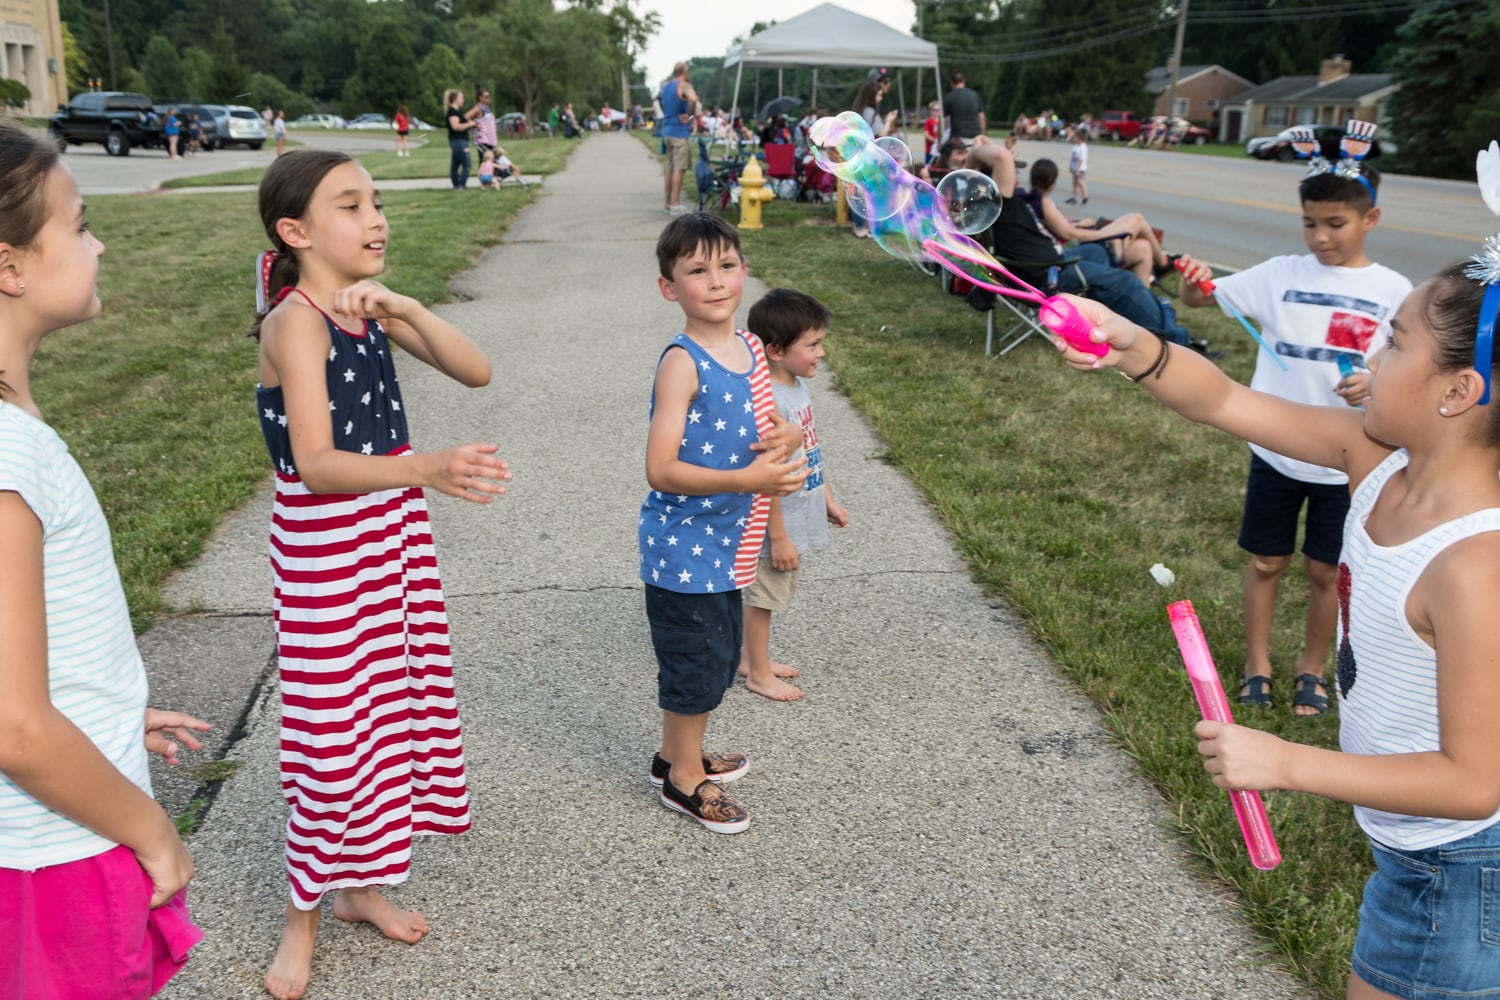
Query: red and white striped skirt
[371, 752]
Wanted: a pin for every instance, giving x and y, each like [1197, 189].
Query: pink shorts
[85, 931]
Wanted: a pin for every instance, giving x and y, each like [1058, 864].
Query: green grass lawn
[156, 396]
[1060, 490]
[428, 158]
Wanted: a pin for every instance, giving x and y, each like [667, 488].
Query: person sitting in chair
[1019, 240]
[1129, 240]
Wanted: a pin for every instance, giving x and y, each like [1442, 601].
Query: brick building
[1202, 91]
[1332, 97]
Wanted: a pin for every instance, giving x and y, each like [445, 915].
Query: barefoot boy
[716, 453]
[792, 326]
[1330, 303]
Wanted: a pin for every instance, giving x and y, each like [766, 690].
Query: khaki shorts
[679, 154]
[773, 589]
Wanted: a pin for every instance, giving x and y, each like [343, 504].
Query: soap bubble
[970, 199]
[897, 149]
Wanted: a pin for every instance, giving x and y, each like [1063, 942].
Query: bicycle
[718, 187]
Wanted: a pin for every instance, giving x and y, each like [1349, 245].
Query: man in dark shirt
[964, 110]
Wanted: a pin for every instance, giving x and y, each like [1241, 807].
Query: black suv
[116, 118]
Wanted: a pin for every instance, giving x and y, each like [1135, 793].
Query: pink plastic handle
[1255, 826]
[1056, 314]
[1063, 318]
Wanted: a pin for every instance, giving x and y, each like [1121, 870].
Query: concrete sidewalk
[942, 816]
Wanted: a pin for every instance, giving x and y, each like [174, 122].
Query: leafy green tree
[388, 74]
[225, 83]
[1447, 107]
[163, 71]
[13, 93]
[533, 52]
[267, 89]
[75, 63]
[197, 68]
[131, 79]
[440, 70]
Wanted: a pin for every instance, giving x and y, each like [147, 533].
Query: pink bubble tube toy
[1248, 808]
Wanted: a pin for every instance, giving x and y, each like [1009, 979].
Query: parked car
[186, 111]
[118, 119]
[317, 121]
[239, 124]
[1279, 146]
[370, 121]
[1119, 125]
[418, 125]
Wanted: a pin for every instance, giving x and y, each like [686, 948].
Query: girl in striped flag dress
[370, 746]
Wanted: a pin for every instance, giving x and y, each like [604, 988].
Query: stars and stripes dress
[371, 753]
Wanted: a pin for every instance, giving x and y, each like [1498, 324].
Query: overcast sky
[706, 27]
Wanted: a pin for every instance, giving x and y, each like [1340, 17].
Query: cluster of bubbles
[904, 211]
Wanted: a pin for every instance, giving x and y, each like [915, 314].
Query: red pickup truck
[1119, 125]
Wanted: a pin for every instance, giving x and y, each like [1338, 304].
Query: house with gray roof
[1201, 91]
[1332, 97]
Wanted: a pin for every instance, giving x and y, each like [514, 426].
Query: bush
[13, 94]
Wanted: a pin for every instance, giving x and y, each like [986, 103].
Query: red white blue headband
[1484, 266]
[1358, 137]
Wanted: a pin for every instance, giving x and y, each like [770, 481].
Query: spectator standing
[279, 128]
[678, 102]
[554, 122]
[867, 106]
[963, 108]
[606, 117]
[485, 139]
[195, 135]
[402, 121]
[458, 141]
[173, 131]
[1078, 165]
[932, 128]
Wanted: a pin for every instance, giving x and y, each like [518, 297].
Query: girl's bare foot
[367, 905]
[776, 689]
[290, 970]
[777, 670]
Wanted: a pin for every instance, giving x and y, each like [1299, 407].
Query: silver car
[238, 125]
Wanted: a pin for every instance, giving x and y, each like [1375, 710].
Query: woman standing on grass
[92, 871]
[458, 142]
[371, 752]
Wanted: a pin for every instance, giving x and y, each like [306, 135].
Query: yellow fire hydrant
[753, 191]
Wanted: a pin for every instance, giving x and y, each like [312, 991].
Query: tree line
[355, 56]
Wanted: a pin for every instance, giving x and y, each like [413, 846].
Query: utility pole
[109, 40]
[1176, 67]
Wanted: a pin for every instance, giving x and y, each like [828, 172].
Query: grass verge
[156, 396]
[428, 159]
[1061, 490]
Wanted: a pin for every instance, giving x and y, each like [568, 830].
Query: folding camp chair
[781, 171]
[1021, 315]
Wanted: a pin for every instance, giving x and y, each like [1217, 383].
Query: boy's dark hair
[1332, 187]
[25, 164]
[784, 314]
[1452, 313]
[1043, 175]
[687, 234]
[285, 190]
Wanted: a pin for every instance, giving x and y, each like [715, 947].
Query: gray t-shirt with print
[804, 513]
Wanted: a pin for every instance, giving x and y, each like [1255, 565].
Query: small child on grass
[716, 452]
[792, 326]
[1330, 303]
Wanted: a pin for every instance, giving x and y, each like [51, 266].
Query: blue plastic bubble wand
[1207, 288]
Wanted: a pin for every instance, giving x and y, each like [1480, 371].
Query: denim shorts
[1272, 504]
[697, 638]
[1429, 926]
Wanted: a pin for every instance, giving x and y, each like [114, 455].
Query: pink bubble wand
[1260, 842]
[1055, 312]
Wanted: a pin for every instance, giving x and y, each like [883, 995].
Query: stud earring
[1443, 410]
[21, 286]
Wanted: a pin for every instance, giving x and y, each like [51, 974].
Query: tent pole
[900, 106]
[814, 102]
[738, 72]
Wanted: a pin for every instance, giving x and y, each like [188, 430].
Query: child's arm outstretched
[772, 472]
[294, 344]
[1194, 387]
[419, 331]
[41, 750]
[1451, 608]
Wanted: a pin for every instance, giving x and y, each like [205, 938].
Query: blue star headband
[1358, 136]
[1484, 267]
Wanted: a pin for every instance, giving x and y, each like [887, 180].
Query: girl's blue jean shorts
[1429, 925]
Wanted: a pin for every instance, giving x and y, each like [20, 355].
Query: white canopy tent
[829, 35]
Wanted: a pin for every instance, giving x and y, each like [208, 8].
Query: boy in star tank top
[716, 452]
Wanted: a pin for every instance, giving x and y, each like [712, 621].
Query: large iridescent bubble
[971, 199]
[897, 149]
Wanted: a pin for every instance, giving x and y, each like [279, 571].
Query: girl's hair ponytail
[25, 164]
[285, 191]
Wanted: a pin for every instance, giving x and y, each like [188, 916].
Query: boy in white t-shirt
[1078, 164]
[1330, 305]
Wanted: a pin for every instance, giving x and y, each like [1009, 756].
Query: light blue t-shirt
[94, 672]
[804, 514]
